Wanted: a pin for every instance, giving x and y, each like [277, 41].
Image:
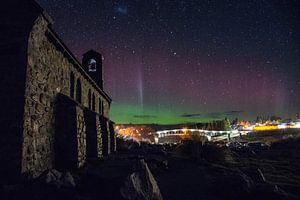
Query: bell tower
[92, 64]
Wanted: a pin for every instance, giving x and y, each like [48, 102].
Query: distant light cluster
[269, 126]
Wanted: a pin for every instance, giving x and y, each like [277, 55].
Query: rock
[247, 181]
[55, 178]
[11, 188]
[51, 177]
[68, 180]
[155, 151]
[30, 175]
[262, 176]
[133, 146]
[271, 191]
[256, 175]
[141, 185]
[126, 145]
[225, 179]
[156, 164]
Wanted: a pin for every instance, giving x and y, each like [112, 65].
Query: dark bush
[200, 151]
[126, 145]
[288, 143]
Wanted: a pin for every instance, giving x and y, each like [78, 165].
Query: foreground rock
[57, 179]
[157, 164]
[141, 185]
[187, 171]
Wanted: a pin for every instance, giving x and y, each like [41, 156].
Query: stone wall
[43, 122]
[48, 74]
[81, 137]
[99, 138]
[81, 134]
[44, 80]
[14, 31]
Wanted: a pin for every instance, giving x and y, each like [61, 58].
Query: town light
[282, 126]
[184, 130]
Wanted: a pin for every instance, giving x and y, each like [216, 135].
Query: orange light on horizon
[184, 130]
[266, 128]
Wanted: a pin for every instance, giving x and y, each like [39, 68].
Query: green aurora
[136, 114]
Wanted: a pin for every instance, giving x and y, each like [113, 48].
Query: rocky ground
[188, 171]
[266, 174]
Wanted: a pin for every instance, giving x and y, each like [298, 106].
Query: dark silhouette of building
[55, 113]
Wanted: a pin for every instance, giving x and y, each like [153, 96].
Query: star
[122, 9]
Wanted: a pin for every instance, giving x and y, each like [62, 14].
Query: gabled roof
[92, 51]
[76, 62]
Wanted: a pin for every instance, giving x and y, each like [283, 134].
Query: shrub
[200, 151]
[288, 143]
[125, 145]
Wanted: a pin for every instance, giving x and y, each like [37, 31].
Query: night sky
[171, 61]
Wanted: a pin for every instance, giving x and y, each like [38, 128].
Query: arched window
[72, 84]
[78, 91]
[90, 99]
[92, 65]
[93, 102]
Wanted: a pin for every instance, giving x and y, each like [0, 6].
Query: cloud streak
[212, 114]
[191, 115]
[144, 116]
[233, 112]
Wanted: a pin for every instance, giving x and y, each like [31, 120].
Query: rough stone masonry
[54, 111]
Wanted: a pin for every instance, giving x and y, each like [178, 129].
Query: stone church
[54, 110]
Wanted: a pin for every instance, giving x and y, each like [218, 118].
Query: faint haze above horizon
[191, 61]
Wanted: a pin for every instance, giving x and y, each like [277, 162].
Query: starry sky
[171, 61]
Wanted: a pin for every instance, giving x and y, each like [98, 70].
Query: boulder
[51, 177]
[246, 182]
[256, 175]
[68, 180]
[154, 150]
[141, 185]
[58, 179]
[126, 145]
[271, 191]
[157, 164]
